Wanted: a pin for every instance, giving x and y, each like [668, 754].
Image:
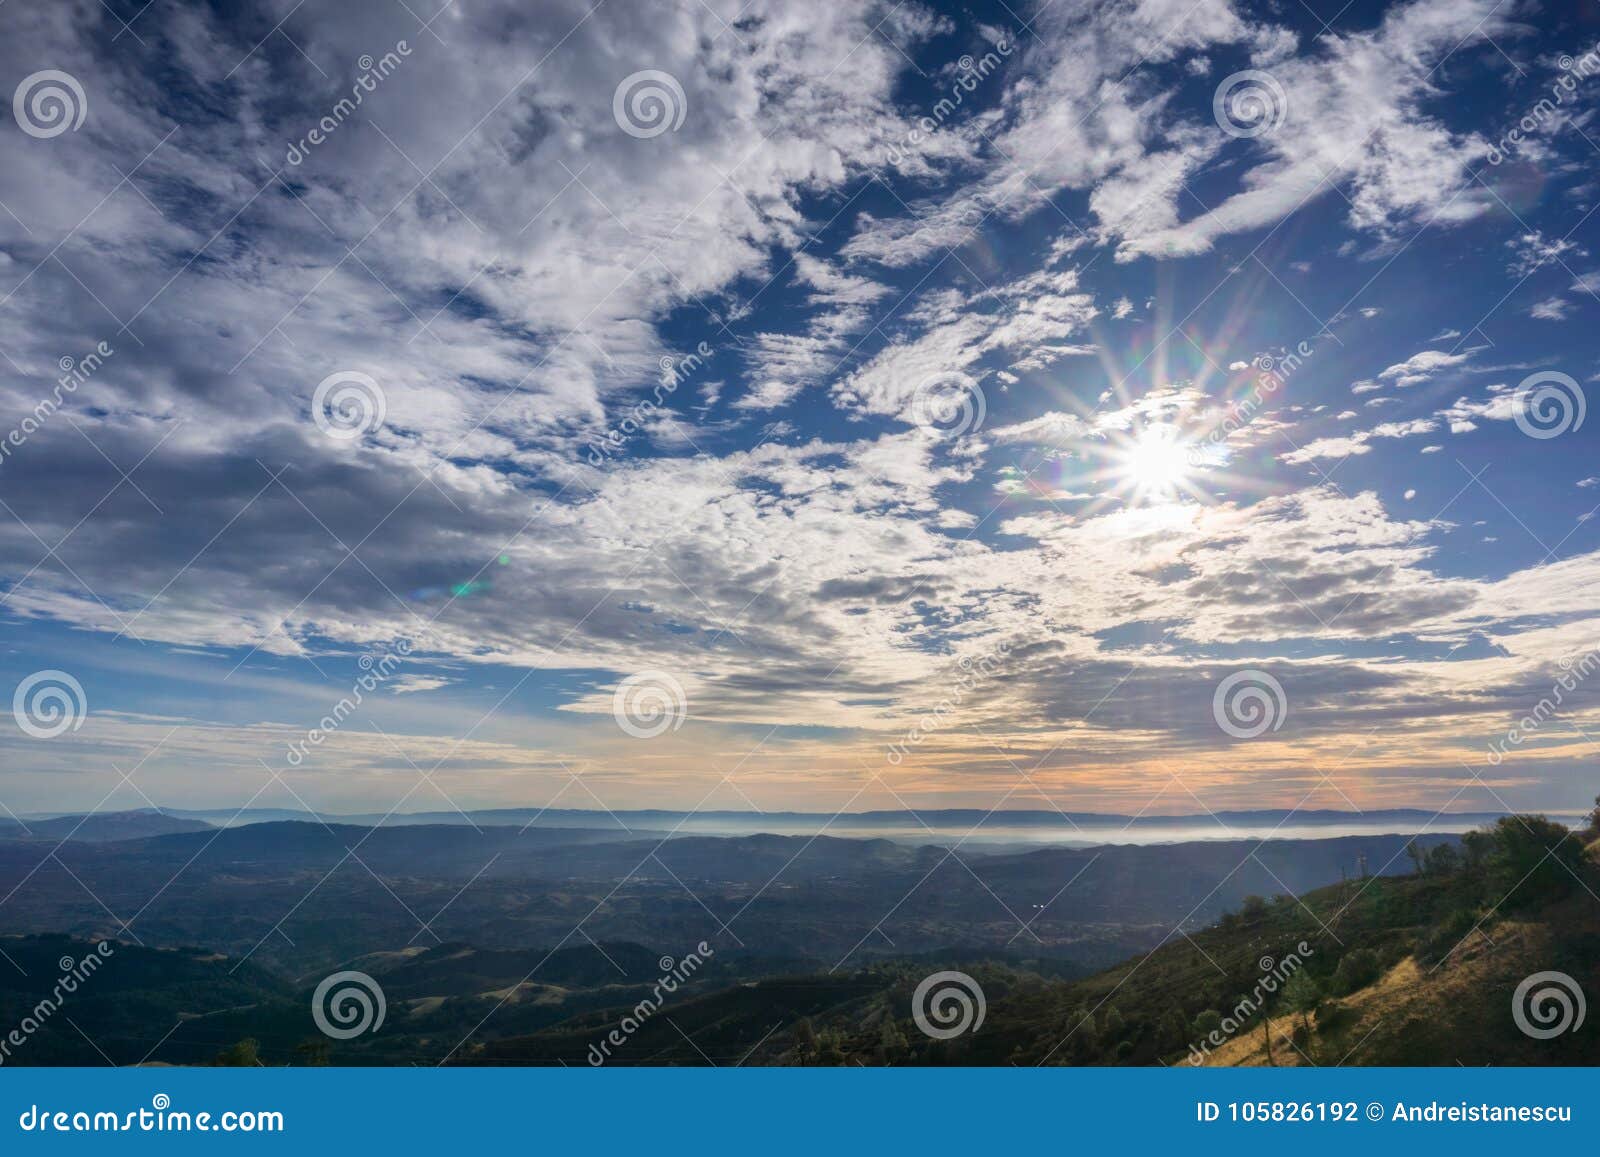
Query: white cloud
[1421, 367]
[411, 684]
[1353, 113]
[1531, 252]
[1358, 443]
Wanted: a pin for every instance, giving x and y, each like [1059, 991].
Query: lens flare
[1155, 466]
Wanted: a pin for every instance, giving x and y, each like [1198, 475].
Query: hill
[101, 827]
[1418, 969]
[343, 891]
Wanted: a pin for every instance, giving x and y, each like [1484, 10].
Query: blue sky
[898, 403]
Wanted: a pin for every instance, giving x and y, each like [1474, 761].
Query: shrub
[1446, 936]
[1357, 969]
[1534, 860]
[1333, 1017]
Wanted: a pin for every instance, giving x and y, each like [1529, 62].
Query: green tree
[312, 1052]
[245, 1054]
[1441, 860]
[891, 1041]
[1476, 847]
[1174, 1030]
[1301, 995]
[1534, 861]
[804, 1038]
[1357, 968]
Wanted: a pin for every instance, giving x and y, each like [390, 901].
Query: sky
[1150, 407]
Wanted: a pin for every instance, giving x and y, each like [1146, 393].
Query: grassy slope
[1438, 990]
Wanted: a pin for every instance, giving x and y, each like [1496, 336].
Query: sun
[1156, 465]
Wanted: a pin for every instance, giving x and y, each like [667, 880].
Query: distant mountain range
[915, 826]
[1115, 966]
[529, 941]
[103, 827]
[336, 891]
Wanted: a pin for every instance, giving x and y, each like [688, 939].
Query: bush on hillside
[1357, 969]
[1534, 861]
